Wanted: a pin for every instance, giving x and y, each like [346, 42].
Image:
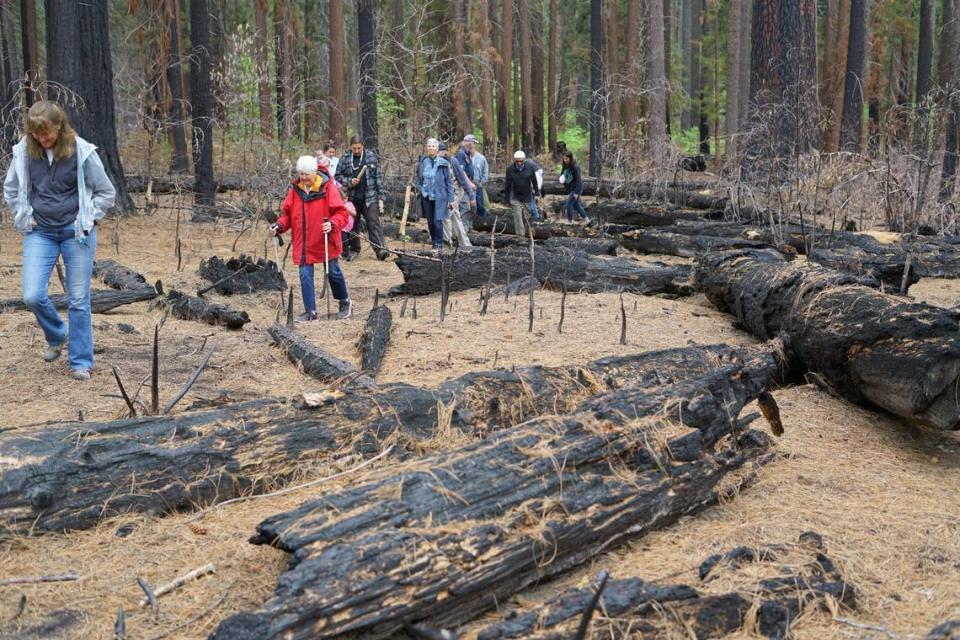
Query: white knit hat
[519, 155]
[306, 164]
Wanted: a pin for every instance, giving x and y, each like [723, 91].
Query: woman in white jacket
[57, 189]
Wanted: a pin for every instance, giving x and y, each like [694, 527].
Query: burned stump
[871, 347]
[554, 268]
[242, 275]
[445, 538]
[374, 339]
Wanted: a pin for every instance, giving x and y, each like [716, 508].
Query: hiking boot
[307, 316]
[52, 352]
[344, 309]
[82, 375]
[382, 254]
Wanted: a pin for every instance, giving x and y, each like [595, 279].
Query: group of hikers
[58, 191]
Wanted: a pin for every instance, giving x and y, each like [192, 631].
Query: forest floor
[884, 496]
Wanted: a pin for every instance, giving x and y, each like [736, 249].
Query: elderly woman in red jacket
[313, 211]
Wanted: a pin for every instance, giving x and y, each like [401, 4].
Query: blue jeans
[41, 248]
[338, 284]
[534, 213]
[575, 203]
[481, 210]
[429, 209]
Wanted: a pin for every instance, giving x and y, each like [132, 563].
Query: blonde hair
[47, 117]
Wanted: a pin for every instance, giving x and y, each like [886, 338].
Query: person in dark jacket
[359, 171]
[520, 189]
[433, 182]
[570, 179]
[312, 210]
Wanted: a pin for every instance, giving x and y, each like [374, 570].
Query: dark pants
[338, 284]
[428, 208]
[575, 203]
[481, 210]
[368, 219]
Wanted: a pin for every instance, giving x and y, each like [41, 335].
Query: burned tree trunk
[874, 348]
[242, 275]
[117, 276]
[314, 361]
[101, 301]
[385, 551]
[50, 481]
[634, 608]
[374, 339]
[192, 308]
[553, 268]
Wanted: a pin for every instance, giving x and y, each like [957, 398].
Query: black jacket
[520, 183]
[573, 182]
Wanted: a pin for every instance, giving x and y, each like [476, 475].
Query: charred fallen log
[949, 630]
[192, 308]
[101, 300]
[638, 214]
[242, 275]
[184, 184]
[52, 479]
[554, 268]
[447, 537]
[117, 276]
[314, 361]
[633, 607]
[871, 347]
[374, 339]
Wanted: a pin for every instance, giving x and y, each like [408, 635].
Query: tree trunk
[611, 69]
[668, 23]
[817, 307]
[459, 93]
[29, 40]
[338, 88]
[178, 157]
[101, 301]
[526, 81]
[201, 98]
[950, 81]
[616, 482]
[928, 26]
[554, 81]
[596, 88]
[506, 75]
[486, 65]
[209, 456]
[78, 57]
[366, 31]
[835, 92]
[686, 43]
[470, 269]
[743, 111]
[375, 339]
[851, 127]
[783, 86]
[9, 73]
[696, 42]
[536, 73]
[657, 81]
[286, 66]
[633, 62]
[311, 83]
[263, 83]
[316, 362]
[735, 67]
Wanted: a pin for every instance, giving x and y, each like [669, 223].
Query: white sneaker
[52, 352]
[81, 374]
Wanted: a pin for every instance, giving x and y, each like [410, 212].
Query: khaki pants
[521, 223]
[453, 227]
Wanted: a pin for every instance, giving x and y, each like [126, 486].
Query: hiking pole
[276, 255]
[326, 269]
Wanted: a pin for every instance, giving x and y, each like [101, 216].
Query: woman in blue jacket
[57, 189]
[435, 186]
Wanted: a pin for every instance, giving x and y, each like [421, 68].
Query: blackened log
[444, 538]
[662, 241]
[254, 275]
[59, 624]
[314, 361]
[634, 608]
[639, 214]
[192, 308]
[374, 339]
[117, 276]
[101, 300]
[470, 268]
[871, 347]
[51, 480]
[949, 630]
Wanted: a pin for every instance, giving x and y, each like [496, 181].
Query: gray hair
[433, 143]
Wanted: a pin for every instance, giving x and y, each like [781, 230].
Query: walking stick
[276, 255]
[326, 269]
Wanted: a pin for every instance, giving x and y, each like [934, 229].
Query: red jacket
[304, 214]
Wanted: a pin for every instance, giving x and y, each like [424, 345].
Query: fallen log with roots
[871, 347]
[554, 268]
[71, 476]
[634, 608]
[441, 539]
